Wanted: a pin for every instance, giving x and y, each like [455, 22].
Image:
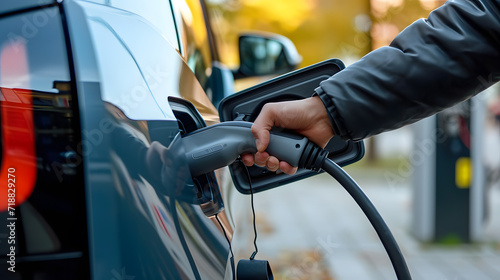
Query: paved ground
[313, 230]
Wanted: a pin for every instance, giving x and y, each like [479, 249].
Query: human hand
[307, 117]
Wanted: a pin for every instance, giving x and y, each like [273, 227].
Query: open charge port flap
[208, 193]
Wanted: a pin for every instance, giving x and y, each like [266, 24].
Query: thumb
[261, 139]
[262, 126]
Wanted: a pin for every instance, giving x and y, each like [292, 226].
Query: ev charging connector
[219, 145]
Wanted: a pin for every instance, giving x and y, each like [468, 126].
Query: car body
[93, 92]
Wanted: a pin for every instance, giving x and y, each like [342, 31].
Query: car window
[157, 12]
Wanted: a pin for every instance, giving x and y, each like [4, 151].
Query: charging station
[448, 177]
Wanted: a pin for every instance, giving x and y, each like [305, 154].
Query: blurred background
[439, 195]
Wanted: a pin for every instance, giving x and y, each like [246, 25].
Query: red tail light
[18, 134]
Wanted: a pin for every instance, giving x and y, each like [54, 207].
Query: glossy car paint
[162, 231]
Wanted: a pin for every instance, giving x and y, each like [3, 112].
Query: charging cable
[221, 144]
[231, 259]
[254, 227]
[378, 223]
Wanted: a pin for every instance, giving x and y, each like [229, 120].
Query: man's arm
[431, 65]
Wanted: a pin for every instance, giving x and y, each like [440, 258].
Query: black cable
[378, 223]
[254, 225]
[230, 247]
[253, 211]
[175, 216]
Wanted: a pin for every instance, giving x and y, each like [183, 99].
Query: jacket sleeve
[431, 65]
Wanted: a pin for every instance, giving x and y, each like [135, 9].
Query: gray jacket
[431, 65]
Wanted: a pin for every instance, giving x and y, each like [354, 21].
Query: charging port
[207, 189]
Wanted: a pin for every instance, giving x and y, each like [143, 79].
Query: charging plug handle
[219, 145]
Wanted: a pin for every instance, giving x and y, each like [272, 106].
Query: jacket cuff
[333, 114]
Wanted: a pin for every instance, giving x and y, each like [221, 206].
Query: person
[432, 64]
